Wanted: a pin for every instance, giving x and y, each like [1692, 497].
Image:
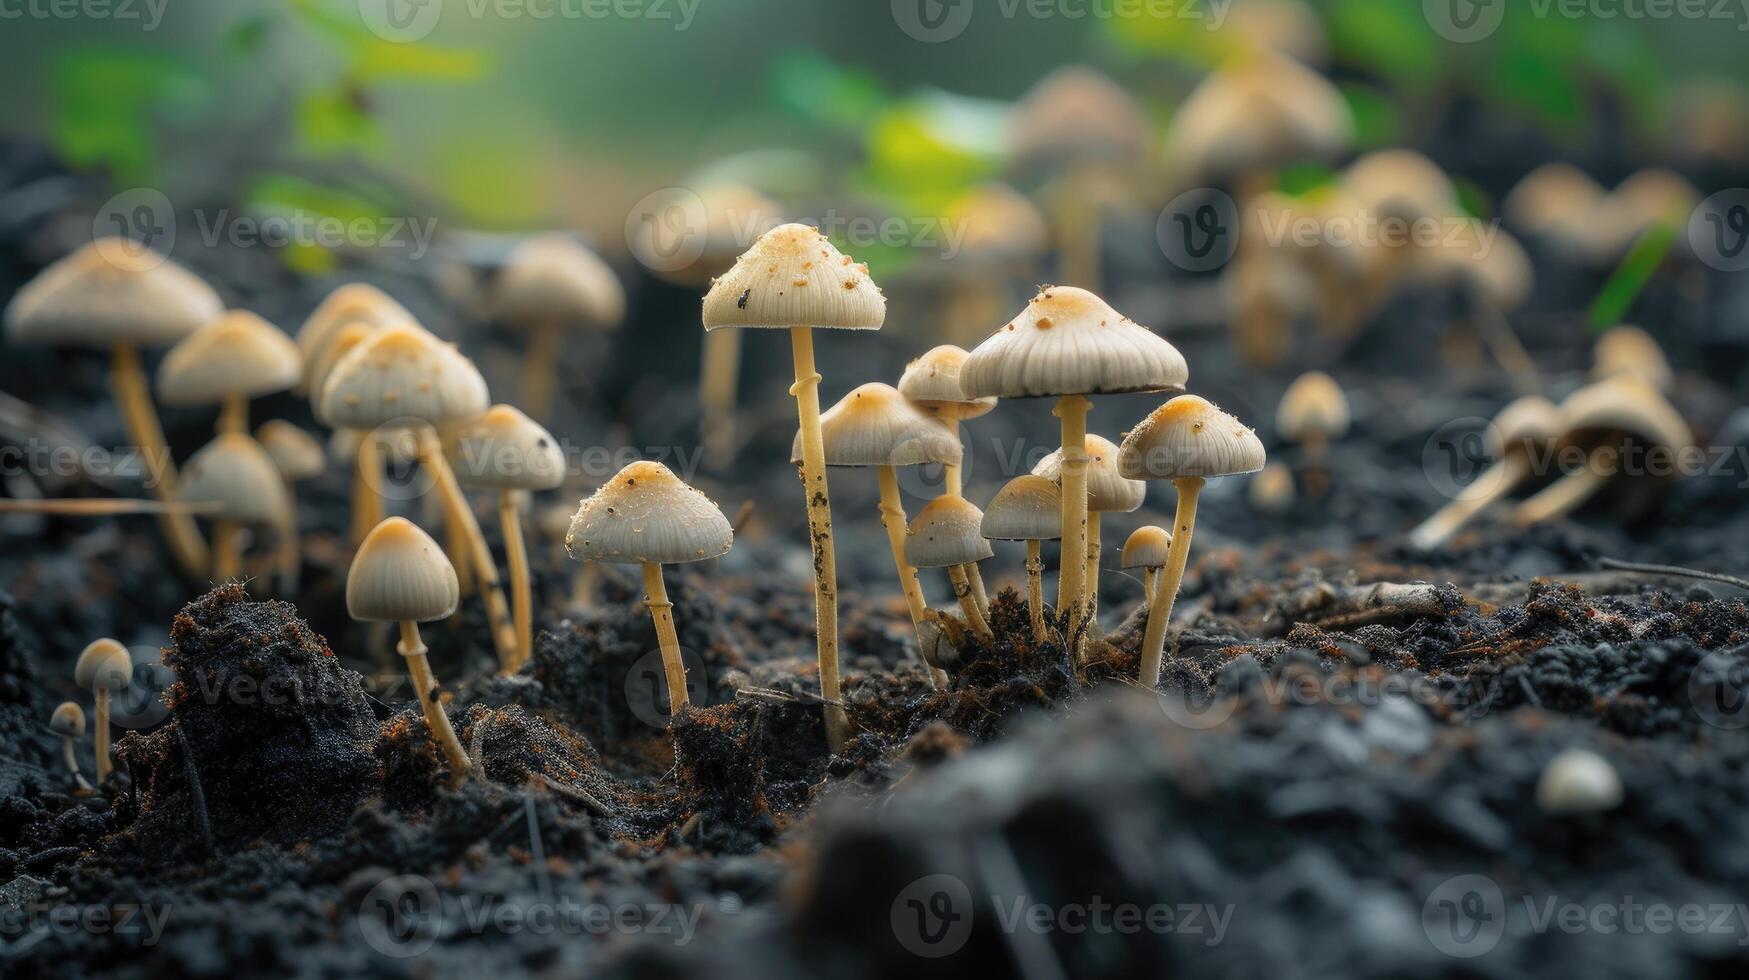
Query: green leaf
[1631, 277]
[1377, 122]
[104, 104]
[331, 119]
[821, 92]
[379, 59]
[1388, 36]
[246, 36]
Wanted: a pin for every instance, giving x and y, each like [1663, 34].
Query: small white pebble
[1578, 781]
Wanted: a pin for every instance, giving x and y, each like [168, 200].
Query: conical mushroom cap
[646, 514]
[1069, 342]
[295, 453]
[234, 472]
[1189, 437]
[932, 383]
[1260, 112]
[506, 450]
[553, 278]
[237, 354]
[103, 664]
[68, 721]
[794, 276]
[1027, 508]
[109, 293]
[1107, 489]
[1400, 184]
[1313, 407]
[1630, 350]
[1077, 113]
[398, 374]
[1146, 548]
[1530, 421]
[875, 426]
[949, 531]
[998, 227]
[1629, 405]
[353, 303]
[400, 575]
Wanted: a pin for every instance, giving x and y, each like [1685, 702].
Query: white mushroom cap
[1626, 405]
[103, 665]
[1069, 342]
[400, 374]
[1578, 781]
[1528, 422]
[68, 721]
[237, 474]
[553, 278]
[1189, 437]
[237, 354]
[109, 293]
[948, 531]
[400, 575]
[1027, 508]
[646, 514]
[1629, 350]
[875, 426]
[932, 383]
[794, 276]
[1107, 489]
[998, 226]
[1313, 407]
[1400, 184]
[1146, 547]
[506, 450]
[295, 453]
[1077, 113]
[353, 303]
[1265, 111]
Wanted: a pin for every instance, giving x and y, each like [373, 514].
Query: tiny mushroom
[364, 451]
[1028, 508]
[1630, 350]
[354, 304]
[104, 669]
[1272, 489]
[1107, 492]
[234, 472]
[1626, 429]
[236, 357]
[1512, 440]
[1313, 413]
[298, 456]
[1146, 549]
[1578, 781]
[932, 383]
[1558, 204]
[68, 722]
[1002, 238]
[947, 533]
[1253, 116]
[549, 284]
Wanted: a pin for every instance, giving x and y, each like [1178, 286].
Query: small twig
[573, 793]
[742, 516]
[196, 794]
[1676, 571]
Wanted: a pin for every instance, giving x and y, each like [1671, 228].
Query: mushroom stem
[662, 614]
[1567, 494]
[516, 556]
[1315, 473]
[1505, 346]
[291, 553]
[1072, 564]
[1494, 483]
[540, 368]
[457, 513]
[233, 414]
[962, 590]
[951, 471]
[893, 519]
[455, 542]
[807, 394]
[979, 596]
[127, 380]
[1166, 589]
[412, 650]
[367, 506]
[227, 549]
[718, 377]
[68, 753]
[102, 733]
[1150, 579]
[1093, 551]
[584, 584]
[1035, 591]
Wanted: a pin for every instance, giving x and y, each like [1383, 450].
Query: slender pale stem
[412, 650]
[227, 549]
[1035, 591]
[72, 757]
[1569, 492]
[1166, 590]
[1494, 483]
[367, 505]
[1093, 552]
[459, 514]
[807, 394]
[584, 585]
[662, 614]
[540, 369]
[521, 597]
[102, 732]
[962, 590]
[719, 374]
[127, 380]
[234, 413]
[951, 472]
[893, 519]
[1072, 565]
[1150, 578]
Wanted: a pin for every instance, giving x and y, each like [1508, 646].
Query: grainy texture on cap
[506, 450]
[1625, 404]
[1627, 349]
[295, 453]
[237, 354]
[645, 513]
[1069, 342]
[237, 474]
[99, 661]
[1027, 508]
[1077, 113]
[353, 303]
[794, 276]
[1189, 437]
[68, 720]
[1532, 420]
[1107, 489]
[949, 531]
[1261, 112]
[553, 277]
[875, 426]
[400, 374]
[108, 293]
[400, 574]
[1313, 405]
[933, 383]
[1146, 547]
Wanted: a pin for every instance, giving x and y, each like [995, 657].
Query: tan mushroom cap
[1556, 199]
[1402, 184]
[1529, 421]
[1027, 508]
[1107, 489]
[1262, 111]
[1146, 547]
[948, 531]
[997, 225]
[1288, 27]
[1629, 350]
[1070, 342]
[344, 341]
[1272, 489]
[68, 720]
[932, 383]
[647, 514]
[1077, 113]
[553, 278]
[875, 426]
[1312, 407]
[354, 303]
[1649, 197]
[794, 276]
[1189, 437]
[237, 354]
[104, 663]
[732, 215]
[400, 374]
[400, 575]
[1627, 405]
[110, 293]
[234, 472]
[297, 454]
[506, 450]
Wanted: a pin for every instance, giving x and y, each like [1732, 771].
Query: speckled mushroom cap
[794, 276]
[1070, 342]
[1624, 404]
[646, 514]
[68, 721]
[1312, 407]
[1107, 489]
[1027, 508]
[1629, 350]
[234, 472]
[295, 453]
[1189, 437]
[237, 354]
[354, 303]
[1256, 112]
[506, 450]
[104, 664]
[401, 376]
[948, 531]
[400, 575]
[997, 225]
[553, 278]
[1400, 184]
[1077, 113]
[1146, 547]
[932, 383]
[1529, 421]
[875, 426]
[108, 293]
[719, 225]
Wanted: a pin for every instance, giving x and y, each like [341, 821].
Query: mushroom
[1648, 199]
[932, 383]
[794, 278]
[1188, 441]
[1028, 508]
[1313, 413]
[947, 533]
[400, 575]
[1521, 430]
[1578, 781]
[1559, 204]
[548, 284]
[1068, 343]
[646, 516]
[1286, 27]
[1272, 489]
[507, 451]
[365, 452]
[1403, 187]
[352, 305]
[1002, 236]
[68, 721]
[1146, 549]
[1107, 492]
[119, 296]
[104, 669]
[234, 472]
[234, 358]
[298, 456]
[1629, 350]
[1610, 420]
[1252, 116]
